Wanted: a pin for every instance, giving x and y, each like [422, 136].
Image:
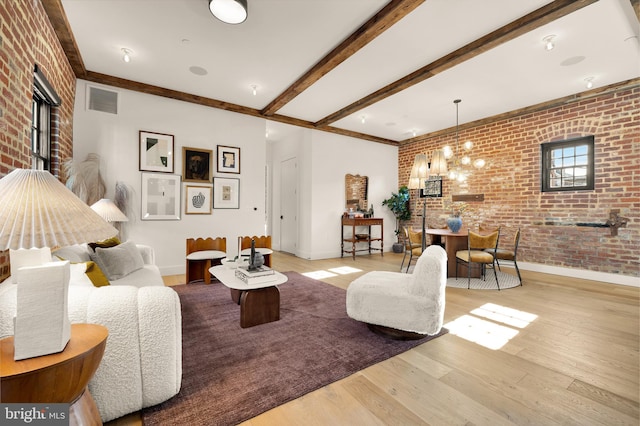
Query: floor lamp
[419, 174]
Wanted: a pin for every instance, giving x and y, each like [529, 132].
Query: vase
[454, 223]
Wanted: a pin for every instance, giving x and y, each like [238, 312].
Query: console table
[353, 222]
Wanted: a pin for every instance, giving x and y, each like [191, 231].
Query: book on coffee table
[256, 279]
[258, 272]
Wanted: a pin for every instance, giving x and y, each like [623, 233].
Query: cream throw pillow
[119, 261]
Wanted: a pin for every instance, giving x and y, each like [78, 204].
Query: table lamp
[108, 210]
[38, 212]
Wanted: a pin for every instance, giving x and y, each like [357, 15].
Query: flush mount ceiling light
[229, 11]
[548, 42]
[126, 54]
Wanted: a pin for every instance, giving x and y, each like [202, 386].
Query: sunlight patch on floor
[508, 316]
[344, 270]
[318, 275]
[487, 332]
[332, 272]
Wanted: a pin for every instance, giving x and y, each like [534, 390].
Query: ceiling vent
[102, 100]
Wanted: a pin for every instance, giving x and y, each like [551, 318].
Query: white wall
[115, 138]
[323, 160]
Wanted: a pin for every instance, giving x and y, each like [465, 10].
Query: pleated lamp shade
[37, 210]
[439, 163]
[419, 172]
[108, 210]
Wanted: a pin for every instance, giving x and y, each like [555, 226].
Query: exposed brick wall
[510, 183]
[27, 38]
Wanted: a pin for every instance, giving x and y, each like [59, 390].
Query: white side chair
[403, 306]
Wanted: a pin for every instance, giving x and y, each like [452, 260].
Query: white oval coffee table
[259, 302]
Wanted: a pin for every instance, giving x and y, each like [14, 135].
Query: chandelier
[460, 167]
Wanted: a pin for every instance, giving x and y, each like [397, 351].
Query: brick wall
[510, 183]
[27, 38]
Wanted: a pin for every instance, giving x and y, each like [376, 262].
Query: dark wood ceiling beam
[58, 19]
[393, 12]
[137, 86]
[523, 25]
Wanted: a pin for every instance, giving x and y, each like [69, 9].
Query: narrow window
[568, 165]
[44, 98]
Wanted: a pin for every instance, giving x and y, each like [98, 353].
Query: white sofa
[142, 363]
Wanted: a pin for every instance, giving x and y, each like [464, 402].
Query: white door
[289, 205]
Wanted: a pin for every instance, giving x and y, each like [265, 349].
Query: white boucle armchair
[402, 305]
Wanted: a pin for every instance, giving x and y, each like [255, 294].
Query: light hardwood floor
[573, 359]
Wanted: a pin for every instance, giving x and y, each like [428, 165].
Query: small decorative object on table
[454, 222]
[256, 259]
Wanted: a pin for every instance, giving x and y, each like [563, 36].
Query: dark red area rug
[231, 374]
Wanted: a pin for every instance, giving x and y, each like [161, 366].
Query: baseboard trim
[584, 274]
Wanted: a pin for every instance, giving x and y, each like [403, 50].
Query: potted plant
[399, 206]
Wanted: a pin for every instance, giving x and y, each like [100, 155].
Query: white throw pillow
[119, 261]
[27, 257]
[75, 253]
[78, 276]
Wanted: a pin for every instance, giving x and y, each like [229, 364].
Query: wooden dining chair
[475, 253]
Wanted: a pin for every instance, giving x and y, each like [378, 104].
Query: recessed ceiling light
[363, 119]
[198, 70]
[572, 61]
[254, 89]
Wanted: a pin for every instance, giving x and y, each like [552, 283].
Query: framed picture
[156, 152]
[228, 159]
[432, 188]
[198, 200]
[196, 165]
[160, 196]
[226, 193]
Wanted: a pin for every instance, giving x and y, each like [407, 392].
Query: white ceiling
[282, 39]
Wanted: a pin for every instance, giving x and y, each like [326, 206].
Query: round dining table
[453, 241]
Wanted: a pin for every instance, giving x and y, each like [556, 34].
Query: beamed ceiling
[379, 70]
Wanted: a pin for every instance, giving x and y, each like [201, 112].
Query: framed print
[228, 159]
[432, 188]
[156, 152]
[226, 193]
[196, 165]
[198, 200]
[160, 196]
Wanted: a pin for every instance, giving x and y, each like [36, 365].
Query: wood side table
[57, 378]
